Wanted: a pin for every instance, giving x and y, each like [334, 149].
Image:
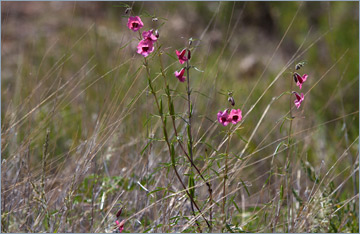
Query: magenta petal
[299, 84]
[145, 47]
[181, 56]
[135, 23]
[235, 116]
[180, 75]
[300, 79]
[299, 99]
[148, 35]
[304, 78]
[223, 117]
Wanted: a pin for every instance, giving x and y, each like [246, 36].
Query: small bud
[156, 33]
[190, 41]
[299, 65]
[189, 54]
[231, 100]
[119, 213]
[154, 19]
[295, 77]
[127, 10]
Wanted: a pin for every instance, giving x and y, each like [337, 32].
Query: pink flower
[300, 80]
[299, 99]
[181, 56]
[223, 117]
[235, 116]
[145, 47]
[180, 75]
[135, 23]
[148, 35]
[120, 225]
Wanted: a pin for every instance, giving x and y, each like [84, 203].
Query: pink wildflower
[300, 80]
[135, 23]
[145, 47]
[148, 35]
[181, 56]
[235, 116]
[223, 117]
[180, 75]
[120, 225]
[299, 99]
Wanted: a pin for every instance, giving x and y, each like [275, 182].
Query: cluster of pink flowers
[146, 45]
[182, 59]
[224, 117]
[299, 82]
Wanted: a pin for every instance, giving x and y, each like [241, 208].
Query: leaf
[287, 92]
[276, 150]
[197, 69]
[122, 5]
[143, 150]
[247, 191]
[298, 198]
[229, 228]
[157, 190]
[191, 186]
[172, 152]
[283, 121]
[237, 208]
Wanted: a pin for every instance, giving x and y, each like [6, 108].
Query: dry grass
[82, 136]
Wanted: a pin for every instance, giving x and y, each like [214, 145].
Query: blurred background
[73, 88]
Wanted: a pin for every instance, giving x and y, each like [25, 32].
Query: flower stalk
[170, 147]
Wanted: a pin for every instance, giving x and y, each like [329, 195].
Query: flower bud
[127, 10]
[295, 77]
[119, 213]
[231, 100]
[156, 33]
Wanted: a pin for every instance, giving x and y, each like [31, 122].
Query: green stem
[172, 114]
[225, 176]
[190, 142]
[168, 142]
[288, 162]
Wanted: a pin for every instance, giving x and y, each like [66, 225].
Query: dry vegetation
[82, 136]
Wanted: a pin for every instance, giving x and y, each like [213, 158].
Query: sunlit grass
[79, 77]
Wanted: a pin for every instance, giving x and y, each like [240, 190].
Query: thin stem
[225, 176]
[172, 114]
[174, 126]
[190, 142]
[168, 143]
[287, 164]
